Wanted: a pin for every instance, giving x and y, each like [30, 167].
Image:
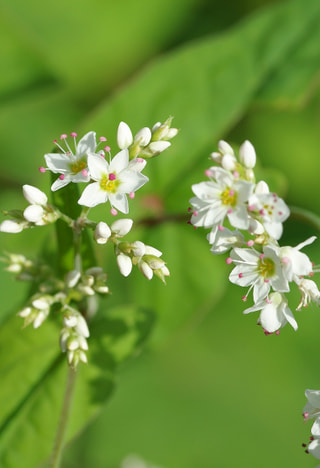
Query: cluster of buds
[73, 336]
[37, 310]
[92, 281]
[38, 213]
[247, 219]
[147, 143]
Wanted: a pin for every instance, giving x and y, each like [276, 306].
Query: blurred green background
[209, 390]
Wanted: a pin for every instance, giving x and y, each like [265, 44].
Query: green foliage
[252, 81]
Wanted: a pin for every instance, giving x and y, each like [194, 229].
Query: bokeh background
[208, 390]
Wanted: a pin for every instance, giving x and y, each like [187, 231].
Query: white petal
[58, 183]
[120, 202]
[87, 144]
[120, 161]
[57, 163]
[102, 233]
[247, 154]
[97, 166]
[93, 195]
[124, 135]
[131, 181]
[314, 448]
[143, 136]
[159, 146]
[34, 196]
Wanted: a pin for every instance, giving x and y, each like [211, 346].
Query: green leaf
[34, 372]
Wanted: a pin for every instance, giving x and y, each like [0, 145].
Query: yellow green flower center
[78, 166]
[266, 267]
[109, 183]
[229, 197]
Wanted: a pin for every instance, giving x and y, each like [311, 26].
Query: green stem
[306, 216]
[64, 417]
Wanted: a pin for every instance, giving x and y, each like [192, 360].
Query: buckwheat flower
[112, 182]
[296, 263]
[216, 200]
[309, 292]
[275, 313]
[270, 210]
[34, 196]
[259, 271]
[312, 407]
[143, 136]
[222, 239]
[72, 166]
[124, 264]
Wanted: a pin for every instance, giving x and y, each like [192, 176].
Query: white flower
[275, 313]
[259, 271]
[270, 210]
[222, 239]
[216, 200]
[309, 292]
[72, 166]
[112, 181]
[296, 263]
[124, 136]
[310, 411]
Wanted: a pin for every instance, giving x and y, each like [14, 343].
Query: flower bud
[124, 264]
[247, 155]
[228, 162]
[261, 188]
[121, 227]
[143, 136]
[225, 148]
[72, 278]
[10, 226]
[102, 233]
[146, 270]
[33, 213]
[124, 136]
[138, 248]
[159, 146]
[34, 196]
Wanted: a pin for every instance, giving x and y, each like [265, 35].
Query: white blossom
[112, 182]
[102, 233]
[124, 136]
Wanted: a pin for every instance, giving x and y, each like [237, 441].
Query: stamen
[63, 136]
[112, 176]
[61, 177]
[140, 160]
[84, 172]
[229, 211]
[277, 332]
[132, 195]
[229, 260]
[189, 209]
[285, 260]
[42, 169]
[102, 138]
[107, 149]
[236, 174]
[208, 173]
[195, 213]
[220, 228]
[250, 243]
[73, 134]
[251, 208]
[113, 211]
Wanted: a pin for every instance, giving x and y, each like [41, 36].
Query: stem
[306, 216]
[64, 417]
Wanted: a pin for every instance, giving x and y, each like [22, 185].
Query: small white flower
[222, 239]
[124, 136]
[296, 263]
[34, 214]
[112, 182]
[269, 210]
[259, 271]
[309, 292]
[225, 148]
[275, 313]
[216, 200]
[312, 407]
[72, 166]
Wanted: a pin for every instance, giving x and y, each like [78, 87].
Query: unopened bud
[247, 155]
[124, 136]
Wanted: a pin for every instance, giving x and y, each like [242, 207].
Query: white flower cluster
[108, 180]
[231, 196]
